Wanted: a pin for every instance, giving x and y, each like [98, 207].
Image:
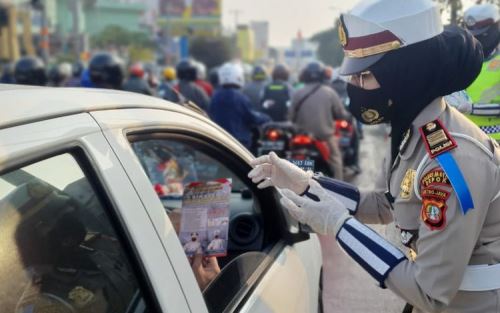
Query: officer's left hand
[325, 216]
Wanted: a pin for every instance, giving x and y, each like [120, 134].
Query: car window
[59, 250]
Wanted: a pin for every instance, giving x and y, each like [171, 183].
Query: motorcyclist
[30, 71]
[276, 95]
[315, 108]
[201, 79]
[77, 70]
[253, 89]
[166, 90]
[106, 71]
[186, 73]
[59, 74]
[7, 74]
[231, 109]
[136, 82]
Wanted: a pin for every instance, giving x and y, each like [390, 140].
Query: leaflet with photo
[205, 217]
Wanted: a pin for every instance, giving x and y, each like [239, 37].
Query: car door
[278, 271]
[75, 234]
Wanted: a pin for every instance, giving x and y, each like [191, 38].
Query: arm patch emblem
[434, 177]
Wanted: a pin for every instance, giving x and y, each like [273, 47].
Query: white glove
[279, 173]
[325, 216]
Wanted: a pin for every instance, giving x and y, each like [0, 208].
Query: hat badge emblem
[370, 115]
[430, 126]
[470, 21]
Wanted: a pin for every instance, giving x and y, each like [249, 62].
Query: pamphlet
[205, 217]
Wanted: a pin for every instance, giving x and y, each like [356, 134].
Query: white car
[88, 180]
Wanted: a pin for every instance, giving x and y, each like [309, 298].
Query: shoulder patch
[434, 177]
[433, 212]
[436, 138]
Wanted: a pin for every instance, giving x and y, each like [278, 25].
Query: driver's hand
[270, 170]
[205, 269]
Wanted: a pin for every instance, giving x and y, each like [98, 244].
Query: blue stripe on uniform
[450, 167]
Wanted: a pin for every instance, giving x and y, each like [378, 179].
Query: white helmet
[231, 74]
[480, 17]
[201, 70]
[65, 70]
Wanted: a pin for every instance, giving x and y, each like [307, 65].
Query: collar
[429, 113]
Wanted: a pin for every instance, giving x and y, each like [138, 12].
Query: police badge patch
[434, 213]
[436, 138]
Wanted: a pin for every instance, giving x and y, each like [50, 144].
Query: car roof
[25, 104]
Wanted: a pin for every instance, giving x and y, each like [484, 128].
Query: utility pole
[236, 14]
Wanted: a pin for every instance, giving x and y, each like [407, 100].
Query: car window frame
[83, 159]
[282, 234]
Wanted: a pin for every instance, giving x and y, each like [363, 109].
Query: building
[245, 42]
[261, 35]
[300, 53]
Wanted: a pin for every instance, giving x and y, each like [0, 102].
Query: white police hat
[479, 18]
[375, 27]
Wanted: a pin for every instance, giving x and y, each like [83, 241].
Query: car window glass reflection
[59, 251]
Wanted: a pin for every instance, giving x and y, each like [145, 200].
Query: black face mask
[369, 106]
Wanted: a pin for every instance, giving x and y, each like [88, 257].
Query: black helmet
[313, 72]
[259, 73]
[281, 72]
[186, 70]
[213, 77]
[106, 71]
[78, 68]
[30, 71]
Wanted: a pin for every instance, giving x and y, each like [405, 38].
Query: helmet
[201, 71]
[186, 70]
[259, 73]
[59, 73]
[106, 71]
[281, 72]
[77, 68]
[30, 71]
[313, 72]
[169, 73]
[136, 70]
[231, 74]
[213, 77]
[373, 28]
[482, 21]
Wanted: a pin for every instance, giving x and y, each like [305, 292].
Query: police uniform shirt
[428, 214]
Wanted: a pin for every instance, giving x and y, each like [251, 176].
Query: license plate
[345, 142]
[268, 145]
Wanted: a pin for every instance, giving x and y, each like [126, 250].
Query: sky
[286, 17]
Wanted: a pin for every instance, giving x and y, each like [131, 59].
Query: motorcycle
[275, 136]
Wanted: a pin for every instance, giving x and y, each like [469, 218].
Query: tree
[212, 51]
[454, 6]
[114, 35]
[329, 50]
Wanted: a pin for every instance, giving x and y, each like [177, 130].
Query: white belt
[481, 278]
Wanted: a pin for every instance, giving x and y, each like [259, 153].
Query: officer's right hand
[270, 170]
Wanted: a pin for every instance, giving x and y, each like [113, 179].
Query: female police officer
[441, 177]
